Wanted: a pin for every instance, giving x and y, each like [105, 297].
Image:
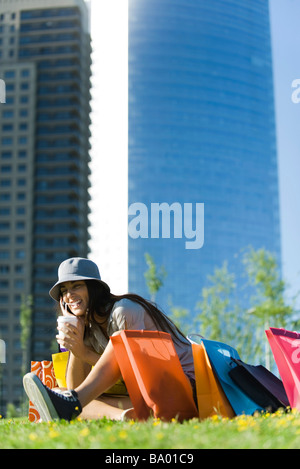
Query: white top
[127, 314]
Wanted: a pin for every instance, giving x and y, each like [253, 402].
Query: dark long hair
[101, 302]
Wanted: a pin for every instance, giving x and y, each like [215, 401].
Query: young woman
[80, 292]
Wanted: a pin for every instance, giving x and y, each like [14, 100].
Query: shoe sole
[38, 395]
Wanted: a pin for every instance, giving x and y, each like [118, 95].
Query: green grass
[270, 431]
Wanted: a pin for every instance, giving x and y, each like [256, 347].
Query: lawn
[269, 431]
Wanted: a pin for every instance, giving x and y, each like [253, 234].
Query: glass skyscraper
[45, 62]
[201, 131]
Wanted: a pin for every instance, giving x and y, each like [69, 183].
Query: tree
[269, 306]
[181, 317]
[221, 316]
[214, 306]
[154, 279]
[269, 302]
[26, 328]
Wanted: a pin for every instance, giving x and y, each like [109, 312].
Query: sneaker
[51, 405]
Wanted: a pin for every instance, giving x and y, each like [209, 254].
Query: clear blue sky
[285, 25]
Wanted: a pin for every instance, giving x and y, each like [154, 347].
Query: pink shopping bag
[285, 347]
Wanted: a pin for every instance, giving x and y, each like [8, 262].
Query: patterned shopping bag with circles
[45, 371]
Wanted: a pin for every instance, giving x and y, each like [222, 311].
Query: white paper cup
[63, 320]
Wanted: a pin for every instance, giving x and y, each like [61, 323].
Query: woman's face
[76, 296]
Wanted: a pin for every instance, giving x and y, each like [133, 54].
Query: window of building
[8, 114]
[5, 168]
[24, 99]
[23, 113]
[7, 141]
[4, 269]
[5, 182]
[21, 196]
[20, 254]
[9, 74]
[19, 283]
[4, 255]
[7, 127]
[21, 211]
[10, 87]
[21, 182]
[20, 225]
[5, 197]
[4, 283]
[22, 140]
[6, 155]
[3, 314]
[4, 211]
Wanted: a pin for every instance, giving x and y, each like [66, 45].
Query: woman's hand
[72, 339]
[73, 334]
[64, 309]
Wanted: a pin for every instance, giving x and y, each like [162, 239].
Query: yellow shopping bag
[60, 361]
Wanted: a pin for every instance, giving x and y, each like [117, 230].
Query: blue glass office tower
[201, 130]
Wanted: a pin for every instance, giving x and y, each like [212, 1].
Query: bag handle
[196, 336]
[193, 337]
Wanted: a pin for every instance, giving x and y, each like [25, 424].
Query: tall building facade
[201, 131]
[45, 63]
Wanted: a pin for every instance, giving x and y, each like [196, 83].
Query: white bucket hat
[73, 269]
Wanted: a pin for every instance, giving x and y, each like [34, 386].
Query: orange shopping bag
[210, 396]
[153, 375]
[44, 370]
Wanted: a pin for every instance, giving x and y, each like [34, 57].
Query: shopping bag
[260, 384]
[210, 396]
[220, 356]
[60, 362]
[285, 346]
[45, 371]
[153, 375]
